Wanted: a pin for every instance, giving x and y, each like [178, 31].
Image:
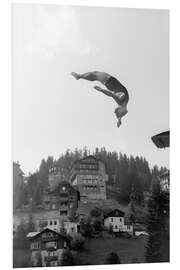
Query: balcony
[51, 258]
[46, 198]
[63, 194]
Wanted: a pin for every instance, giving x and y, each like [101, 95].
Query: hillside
[85, 208]
[114, 193]
[123, 171]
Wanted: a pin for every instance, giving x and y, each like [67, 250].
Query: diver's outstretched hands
[98, 88]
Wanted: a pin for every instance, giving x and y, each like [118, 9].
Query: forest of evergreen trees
[157, 225]
[124, 171]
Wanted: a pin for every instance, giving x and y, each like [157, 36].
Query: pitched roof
[90, 156]
[115, 213]
[34, 234]
[85, 158]
[61, 184]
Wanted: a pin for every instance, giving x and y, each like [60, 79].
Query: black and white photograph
[90, 135]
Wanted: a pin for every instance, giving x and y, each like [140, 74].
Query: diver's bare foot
[75, 75]
[98, 88]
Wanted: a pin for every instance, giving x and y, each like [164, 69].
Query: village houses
[46, 247]
[115, 220]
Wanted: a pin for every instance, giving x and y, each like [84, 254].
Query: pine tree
[131, 212]
[155, 224]
[67, 258]
[30, 226]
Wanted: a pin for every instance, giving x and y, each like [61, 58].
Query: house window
[71, 205]
[35, 245]
[53, 206]
[63, 213]
[64, 204]
[111, 219]
[47, 235]
[50, 223]
[52, 253]
[120, 219]
[55, 222]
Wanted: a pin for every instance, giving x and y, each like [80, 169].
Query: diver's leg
[92, 76]
[106, 92]
[118, 97]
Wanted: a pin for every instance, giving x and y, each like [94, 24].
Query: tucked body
[114, 89]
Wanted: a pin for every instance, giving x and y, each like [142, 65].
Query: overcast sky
[53, 112]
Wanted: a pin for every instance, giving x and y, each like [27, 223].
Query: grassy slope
[128, 249]
[21, 258]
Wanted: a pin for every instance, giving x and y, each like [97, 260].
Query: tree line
[123, 171]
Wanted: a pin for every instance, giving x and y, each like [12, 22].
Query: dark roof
[84, 158]
[63, 183]
[115, 213]
[79, 160]
[48, 230]
[161, 140]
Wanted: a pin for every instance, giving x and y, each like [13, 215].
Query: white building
[164, 181]
[71, 228]
[115, 220]
[51, 223]
[57, 224]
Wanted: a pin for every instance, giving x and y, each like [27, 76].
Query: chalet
[116, 220]
[89, 175]
[63, 198]
[46, 247]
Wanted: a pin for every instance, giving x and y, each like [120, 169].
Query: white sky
[53, 112]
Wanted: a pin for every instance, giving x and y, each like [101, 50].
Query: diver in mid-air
[115, 90]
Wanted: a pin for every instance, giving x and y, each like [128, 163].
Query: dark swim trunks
[115, 86]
